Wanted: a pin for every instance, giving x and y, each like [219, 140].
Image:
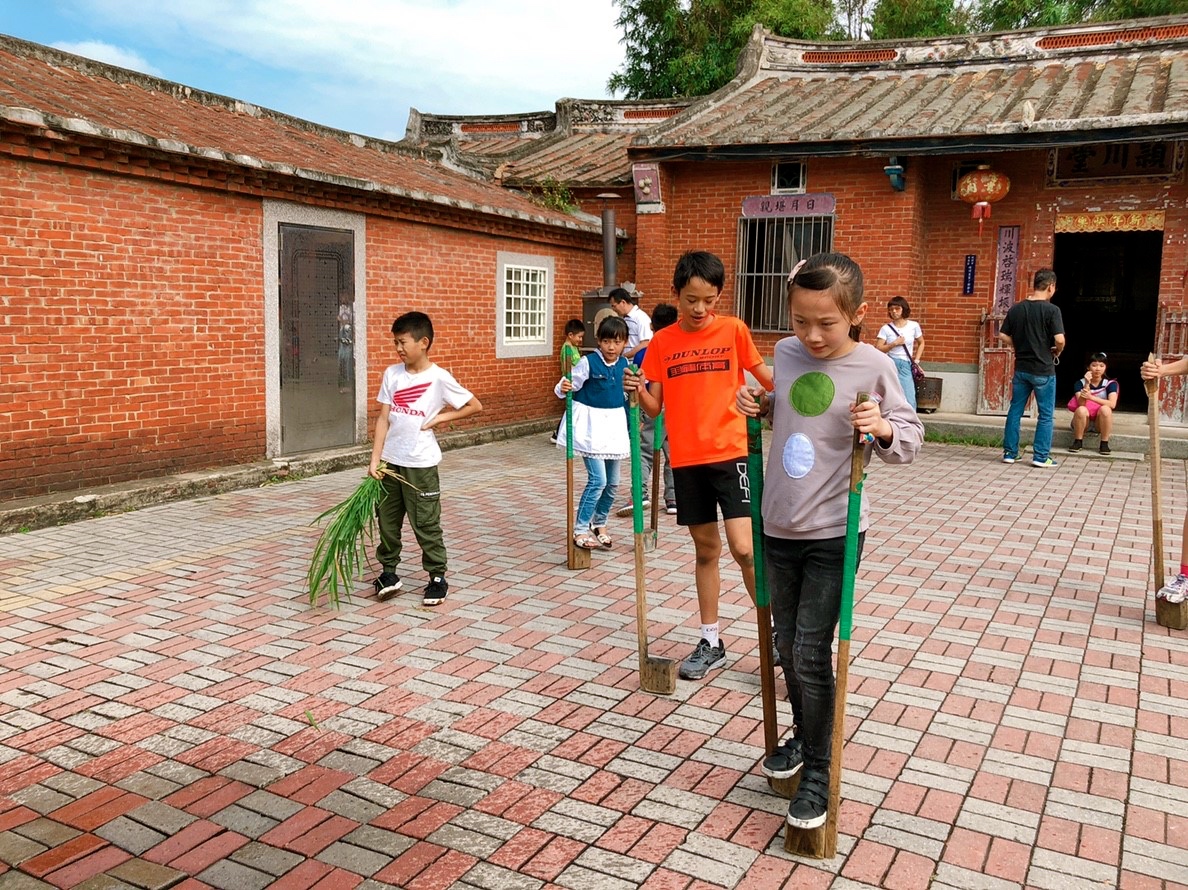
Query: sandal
[603, 538]
[586, 541]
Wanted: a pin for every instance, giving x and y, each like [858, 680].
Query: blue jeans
[602, 481]
[904, 368]
[805, 582]
[1023, 385]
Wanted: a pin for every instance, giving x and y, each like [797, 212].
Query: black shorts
[702, 488]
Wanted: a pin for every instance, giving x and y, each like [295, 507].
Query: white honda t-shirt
[411, 400]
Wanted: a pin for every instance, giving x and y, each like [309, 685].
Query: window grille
[787, 178]
[768, 248]
[525, 304]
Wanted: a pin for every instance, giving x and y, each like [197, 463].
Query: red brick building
[859, 148]
[187, 280]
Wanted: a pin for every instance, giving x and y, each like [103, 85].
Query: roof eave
[1002, 137]
[42, 120]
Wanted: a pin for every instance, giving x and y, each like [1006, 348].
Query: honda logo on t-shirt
[402, 400]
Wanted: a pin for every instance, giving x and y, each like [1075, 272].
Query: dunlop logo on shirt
[700, 361]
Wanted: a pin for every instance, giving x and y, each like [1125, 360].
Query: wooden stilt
[1171, 615]
[821, 842]
[657, 675]
[576, 558]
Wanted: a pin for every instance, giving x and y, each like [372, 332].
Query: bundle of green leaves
[341, 550]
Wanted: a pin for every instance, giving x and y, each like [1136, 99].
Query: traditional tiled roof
[583, 144]
[1034, 87]
[46, 88]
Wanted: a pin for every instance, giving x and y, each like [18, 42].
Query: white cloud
[492, 56]
[112, 55]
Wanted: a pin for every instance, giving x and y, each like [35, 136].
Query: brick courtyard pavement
[1013, 715]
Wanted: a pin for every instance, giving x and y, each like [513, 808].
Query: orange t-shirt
[700, 374]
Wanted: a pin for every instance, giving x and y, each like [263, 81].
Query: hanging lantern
[982, 187]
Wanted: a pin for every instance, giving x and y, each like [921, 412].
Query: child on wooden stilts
[599, 429]
[817, 374]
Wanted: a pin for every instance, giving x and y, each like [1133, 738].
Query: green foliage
[987, 440]
[555, 195]
[691, 47]
[675, 48]
[1007, 15]
[916, 18]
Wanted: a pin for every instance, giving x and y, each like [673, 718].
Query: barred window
[524, 302]
[525, 306]
[768, 248]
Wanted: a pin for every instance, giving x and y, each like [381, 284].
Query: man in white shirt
[625, 303]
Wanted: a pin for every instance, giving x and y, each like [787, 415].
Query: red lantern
[982, 188]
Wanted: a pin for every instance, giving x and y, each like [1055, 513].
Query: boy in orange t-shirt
[693, 369]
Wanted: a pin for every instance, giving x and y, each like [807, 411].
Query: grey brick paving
[984, 662]
[356, 859]
[264, 858]
[227, 875]
[130, 835]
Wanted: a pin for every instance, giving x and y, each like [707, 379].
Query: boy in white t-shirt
[415, 395]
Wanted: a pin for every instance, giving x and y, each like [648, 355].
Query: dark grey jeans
[805, 582]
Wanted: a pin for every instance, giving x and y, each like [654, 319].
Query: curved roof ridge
[788, 53]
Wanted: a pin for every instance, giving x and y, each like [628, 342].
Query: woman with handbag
[903, 340]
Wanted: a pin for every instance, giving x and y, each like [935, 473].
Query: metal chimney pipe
[609, 243]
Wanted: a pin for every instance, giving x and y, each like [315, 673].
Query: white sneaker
[629, 508]
[1175, 590]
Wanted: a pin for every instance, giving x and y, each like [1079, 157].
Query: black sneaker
[785, 761]
[670, 508]
[435, 591]
[386, 586]
[811, 803]
[1103, 448]
[704, 658]
[1076, 445]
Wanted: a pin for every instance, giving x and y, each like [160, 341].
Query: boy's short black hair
[663, 315]
[1044, 279]
[574, 326]
[698, 264]
[415, 323]
[612, 328]
[621, 295]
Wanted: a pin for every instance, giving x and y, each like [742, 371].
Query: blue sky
[358, 65]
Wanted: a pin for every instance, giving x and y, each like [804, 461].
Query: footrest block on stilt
[1172, 615]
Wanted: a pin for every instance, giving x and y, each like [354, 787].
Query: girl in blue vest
[599, 429]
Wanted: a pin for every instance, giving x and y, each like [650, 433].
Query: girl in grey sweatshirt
[818, 373]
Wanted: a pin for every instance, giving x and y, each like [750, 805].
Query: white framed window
[768, 248]
[524, 326]
[787, 178]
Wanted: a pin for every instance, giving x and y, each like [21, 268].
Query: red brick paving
[991, 679]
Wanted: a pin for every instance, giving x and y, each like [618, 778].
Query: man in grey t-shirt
[1034, 328]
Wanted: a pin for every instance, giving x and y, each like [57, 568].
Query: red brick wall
[133, 327]
[451, 274]
[912, 242]
[133, 316]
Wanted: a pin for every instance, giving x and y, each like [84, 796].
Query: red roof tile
[44, 87]
[1037, 86]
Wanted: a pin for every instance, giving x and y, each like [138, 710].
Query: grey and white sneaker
[703, 659]
[1175, 590]
[629, 508]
